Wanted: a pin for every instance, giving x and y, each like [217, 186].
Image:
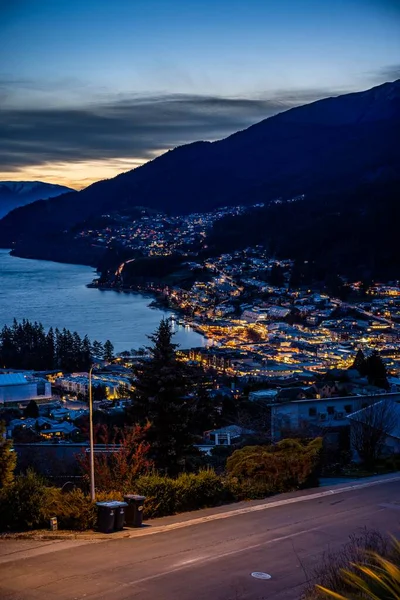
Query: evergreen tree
[376, 371]
[108, 352]
[97, 349]
[31, 410]
[8, 459]
[360, 362]
[160, 397]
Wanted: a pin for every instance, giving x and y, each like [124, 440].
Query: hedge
[253, 472]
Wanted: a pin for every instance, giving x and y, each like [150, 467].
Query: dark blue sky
[165, 72]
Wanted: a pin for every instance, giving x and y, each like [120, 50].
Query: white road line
[259, 507]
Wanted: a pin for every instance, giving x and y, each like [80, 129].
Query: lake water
[56, 295]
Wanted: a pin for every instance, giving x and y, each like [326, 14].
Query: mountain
[14, 194]
[332, 145]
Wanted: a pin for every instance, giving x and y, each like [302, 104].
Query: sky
[91, 88]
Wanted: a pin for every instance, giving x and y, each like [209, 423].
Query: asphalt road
[212, 560]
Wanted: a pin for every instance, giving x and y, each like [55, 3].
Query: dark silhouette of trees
[26, 345]
[31, 410]
[108, 351]
[162, 384]
[372, 367]
[360, 362]
[376, 371]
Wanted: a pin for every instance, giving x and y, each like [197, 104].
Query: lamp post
[92, 488]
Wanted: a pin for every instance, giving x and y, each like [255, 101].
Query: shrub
[285, 466]
[21, 502]
[166, 496]
[8, 459]
[379, 579]
[357, 551]
[200, 491]
[125, 460]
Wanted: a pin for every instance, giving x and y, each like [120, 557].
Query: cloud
[136, 127]
[386, 73]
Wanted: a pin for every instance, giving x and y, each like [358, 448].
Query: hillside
[333, 145]
[14, 194]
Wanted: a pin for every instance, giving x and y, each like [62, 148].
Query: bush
[21, 502]
[166, 496]
[160, 495]
[200, 491]
[357, 551]
[286, 466]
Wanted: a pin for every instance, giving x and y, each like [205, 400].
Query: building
[20, 388]
[318, 414]
[382, 416]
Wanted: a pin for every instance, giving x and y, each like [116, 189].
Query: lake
[56, 295]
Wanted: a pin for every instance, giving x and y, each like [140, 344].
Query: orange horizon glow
[76, 175]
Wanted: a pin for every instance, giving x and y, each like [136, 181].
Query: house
[383, 415]
[313, 414]
[325, 389]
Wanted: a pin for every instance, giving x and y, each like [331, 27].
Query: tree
[162, 384]
[31, 410]
[360, 362]
[376, 371]
[108, 352]
[8, 459]
[125, 458]
[369, 429]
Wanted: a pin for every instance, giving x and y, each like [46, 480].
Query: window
[348, 408]
[312, 412]
[331, 410]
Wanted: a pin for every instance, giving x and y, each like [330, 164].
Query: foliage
[287, 465]
[21, 502]
[26, 345]
[189, 491]
[108, 352]
[162, 384]
[375, 576]
[31, 410]
[376, 371]
[124, 459]
[8, 459]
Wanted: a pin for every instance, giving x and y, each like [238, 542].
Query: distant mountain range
[14, 194]
[331, 146]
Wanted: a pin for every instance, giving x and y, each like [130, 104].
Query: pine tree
[31, 410]
[360, 362]
[161, 387]
[8, 459]
[376, 371]
[108, 352]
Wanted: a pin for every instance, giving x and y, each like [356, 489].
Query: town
[298, 353]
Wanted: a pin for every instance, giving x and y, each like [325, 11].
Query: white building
[322, 413]
[17, 388]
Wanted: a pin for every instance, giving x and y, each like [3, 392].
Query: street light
[92, 488]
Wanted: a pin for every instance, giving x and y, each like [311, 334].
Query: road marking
[260, 575]
[259, 507]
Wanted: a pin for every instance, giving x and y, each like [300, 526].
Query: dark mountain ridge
[14, 194]
[335, 144]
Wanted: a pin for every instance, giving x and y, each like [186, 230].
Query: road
[211, 557]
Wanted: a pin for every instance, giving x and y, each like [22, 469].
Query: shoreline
[157, 304]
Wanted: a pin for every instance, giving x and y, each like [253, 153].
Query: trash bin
[134, 510]
[106, 516]
[119, 515]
